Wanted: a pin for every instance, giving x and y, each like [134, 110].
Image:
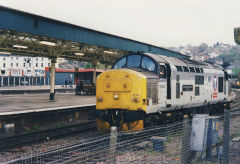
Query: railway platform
[6, 90]
[24, 113]
[29, 103]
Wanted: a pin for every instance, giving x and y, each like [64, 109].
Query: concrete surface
[34, 89]
[27, 103]
[26, 87]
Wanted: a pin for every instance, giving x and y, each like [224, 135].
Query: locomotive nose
[120, 98]
[121, 89]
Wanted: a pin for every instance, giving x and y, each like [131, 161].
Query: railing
[170, 143]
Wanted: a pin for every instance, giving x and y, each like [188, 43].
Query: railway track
[92, 149]
[65, 153]
[77, 151]
[88, 151]
[236, 102]
[23, 139]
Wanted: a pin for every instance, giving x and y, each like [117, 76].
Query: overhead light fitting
[108, 52]
[47, 43]
[5, 53]
[79, 54]
[20, 46]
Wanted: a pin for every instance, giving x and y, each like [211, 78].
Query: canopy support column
[94, 75]
[52, 85]
[94, 63]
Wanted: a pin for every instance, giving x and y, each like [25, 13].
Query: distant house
[20, 66]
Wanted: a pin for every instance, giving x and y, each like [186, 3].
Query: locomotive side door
[162, 84]
[168, 73]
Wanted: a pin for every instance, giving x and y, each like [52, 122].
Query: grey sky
[159, 22]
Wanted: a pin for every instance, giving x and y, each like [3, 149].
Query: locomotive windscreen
[136, 61]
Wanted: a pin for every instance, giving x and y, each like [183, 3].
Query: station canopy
[27, 34]
[13, 42]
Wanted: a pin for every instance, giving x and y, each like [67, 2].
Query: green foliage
[235, 72]
[88, 65]
[226, 64]
[169, 139]
[230, 55]
[203, 47]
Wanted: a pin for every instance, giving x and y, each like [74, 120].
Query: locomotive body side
[144, 88]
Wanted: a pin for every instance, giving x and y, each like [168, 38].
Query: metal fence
[169, 143]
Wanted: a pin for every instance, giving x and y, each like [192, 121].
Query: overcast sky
[159, 22]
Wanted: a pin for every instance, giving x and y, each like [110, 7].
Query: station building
[23, 70]
[15, 65]
[72, 76]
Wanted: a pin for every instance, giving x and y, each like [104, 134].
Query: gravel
[46, 145]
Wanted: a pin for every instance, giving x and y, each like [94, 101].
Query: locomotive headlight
[115, 96]
[99, 99]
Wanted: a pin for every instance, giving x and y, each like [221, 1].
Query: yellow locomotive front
[121, 99]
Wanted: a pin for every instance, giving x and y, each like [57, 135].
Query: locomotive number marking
[187, 87]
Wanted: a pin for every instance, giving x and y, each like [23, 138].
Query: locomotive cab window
[148, 64]
[121, 63]
[162, 72]
[134, 61]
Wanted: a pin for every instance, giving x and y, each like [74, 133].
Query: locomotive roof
[182, 62]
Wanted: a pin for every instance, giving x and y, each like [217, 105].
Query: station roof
[28, 34]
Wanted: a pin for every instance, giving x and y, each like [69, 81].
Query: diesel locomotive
[145, 88]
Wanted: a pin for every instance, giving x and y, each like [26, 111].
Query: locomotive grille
[152, 90]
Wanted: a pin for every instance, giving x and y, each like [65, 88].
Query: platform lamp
[78, 54]
[20, 46]
[52, 55]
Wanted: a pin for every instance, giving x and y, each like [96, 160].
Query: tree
[88, 65]
[225, 64]
[203, 47]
